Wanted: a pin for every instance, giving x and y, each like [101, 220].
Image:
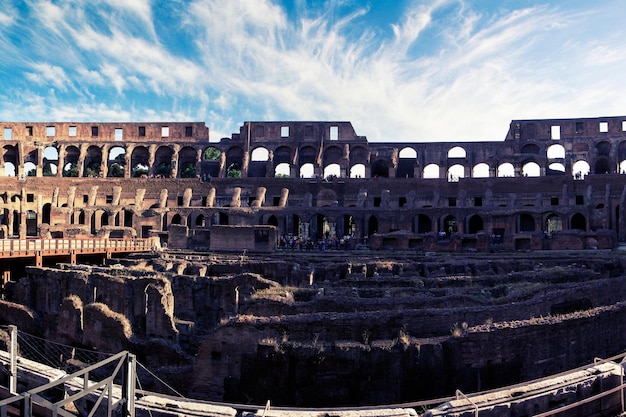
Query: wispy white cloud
[446, 70]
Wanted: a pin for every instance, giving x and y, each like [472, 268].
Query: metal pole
[13, 360]
[129, 393]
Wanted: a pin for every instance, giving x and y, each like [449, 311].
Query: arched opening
[456, 172]
[530, 148]
[163, 162]
[578, 222]
[357, 171]
[70, 162]
[30, 169]
[81, 217]
[31, 223]
[176, 219]
[307, 171]
[104, 219]
[406, 163]
[128, 218]
[116, 162]
[17, 220]
[139, 161]
[222, 218]
[380, 169]
[258, 163]
[553, 223]
[50, 161]
[296, 225]
[531, 169]
[93, 162]
[372, 225]
[475, 224]
[480, 170]
[234, 162]
[282, 170]
[431, 171]
[555, 152]
[9, 169]
[526, 223]
[556, 168]
[424, 224]
[45, 213]
[602, 166]
[506, 169]
[319, 227]
[187, 158]
[457, 152]
[348, 228]
[450, 225]
[200, 220]
[332, 171]
[272, 221]
[580, 169]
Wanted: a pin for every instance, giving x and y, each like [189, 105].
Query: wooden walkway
[40, 248]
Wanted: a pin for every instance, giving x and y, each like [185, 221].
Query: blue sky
[423, 70]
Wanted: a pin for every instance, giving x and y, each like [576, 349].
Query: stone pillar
[71, 195]
[305, 231]
[60, 161]
[104, 163]
[151, 158]
[187, 194]
[236, 199]
[284, 196]
[210, 200]
[245, 164]
[39, 168]
[127, 161]
[81, 160]
[93, 194]
[117, 193]
[260, 196]
[139, 196]
[175, 156]
[198, 162]
[222, 165]
[163, 198]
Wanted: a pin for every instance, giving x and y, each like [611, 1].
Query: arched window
[431, 171]
[480, 170]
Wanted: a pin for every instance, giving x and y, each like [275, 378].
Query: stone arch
[93, 162]
[50, 161]
[10, 157]
[200, 220]
[423, 224]
[531, 169]
[283, 154]
[555, 151]
[359, 155]
[475, 224]
[580, 169]
[380, 168]
[530, 148]
[431, 171]
[553, 223]
[602, 165]
[272, 220]
[139, 162]
[46, 211]
[505, 169]
[319, 227]
[257, 168]
[30, 169]
[177, 219]
[70, 161]
[456, 172]
[556, 168]
[449, 224]
[187, 158]
[116, 162]
[282, 170]
[578, 222]
[332, 171]
[333, 155]
[372, 225]
[162, 167]
[406, 163]
[481, 170]
[31, 223]
[457, 152]
[357, 171]
[307, 170]
[603, 148]
[211, 153]
[526, 223]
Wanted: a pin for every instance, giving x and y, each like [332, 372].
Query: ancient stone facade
[551, 184]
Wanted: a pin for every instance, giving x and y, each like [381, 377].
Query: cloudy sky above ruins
[399, 70]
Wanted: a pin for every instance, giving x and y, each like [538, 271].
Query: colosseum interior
[299, 262]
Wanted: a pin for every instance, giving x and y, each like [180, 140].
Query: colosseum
[299, 262]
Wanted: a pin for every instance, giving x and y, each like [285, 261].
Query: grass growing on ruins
[279, 294]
